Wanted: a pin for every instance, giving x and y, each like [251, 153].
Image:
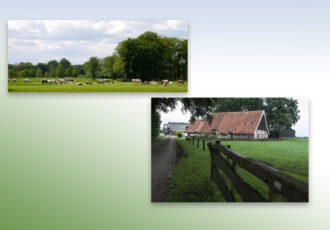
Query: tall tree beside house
[238, 104]
[39, 73]
[92, 66]
[282, 113]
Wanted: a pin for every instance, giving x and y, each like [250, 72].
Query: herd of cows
[100, 81]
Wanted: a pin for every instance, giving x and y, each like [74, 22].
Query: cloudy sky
[302, 126]
[77, 40]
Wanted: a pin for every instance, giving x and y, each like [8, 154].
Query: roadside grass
[191, 181]
[36, 86]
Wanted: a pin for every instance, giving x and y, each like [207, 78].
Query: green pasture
[191, 181]
[36, 86]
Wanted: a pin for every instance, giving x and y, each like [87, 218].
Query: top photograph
[97, 56]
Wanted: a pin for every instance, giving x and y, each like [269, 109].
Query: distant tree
[25, 65]
[12, 73]
[52, 73]
[60, 71]
[23, 73]
[42, 66]
[46, 75]
[108, 65]
[32, 73]
[68, 72]
[66, 64]
[92, 66]
[118, 68]
[39, 73]
[51, 65]
[75, 72]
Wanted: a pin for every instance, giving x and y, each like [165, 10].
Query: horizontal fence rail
[227, 160]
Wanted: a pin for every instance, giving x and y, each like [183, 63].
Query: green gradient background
[82, 161]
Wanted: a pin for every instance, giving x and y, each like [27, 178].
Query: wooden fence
[279, 184]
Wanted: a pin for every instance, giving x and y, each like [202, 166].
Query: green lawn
[36, 86]
[191, 180]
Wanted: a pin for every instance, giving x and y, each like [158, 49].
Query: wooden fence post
[203, 144]
[197, 142]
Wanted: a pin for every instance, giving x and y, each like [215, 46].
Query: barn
[287, 133]
[172, 127]
[243, 124]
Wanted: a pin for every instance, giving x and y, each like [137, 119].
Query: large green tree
[60, 70]
[92, 66]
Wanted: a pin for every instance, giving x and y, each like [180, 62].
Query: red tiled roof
[195, 127]
[237, 122]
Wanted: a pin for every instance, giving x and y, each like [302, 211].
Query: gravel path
[163, 158]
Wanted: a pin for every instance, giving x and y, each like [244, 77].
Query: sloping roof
[195, 127]
[243, 122]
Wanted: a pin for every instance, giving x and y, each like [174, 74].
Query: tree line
[147, 57]
[281, 113]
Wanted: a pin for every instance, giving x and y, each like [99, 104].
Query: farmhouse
[172, 127]
[243, 124]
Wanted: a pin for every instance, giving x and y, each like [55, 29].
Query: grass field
[191, 181]
[36, 86]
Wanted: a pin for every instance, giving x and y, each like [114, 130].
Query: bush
[179, 134]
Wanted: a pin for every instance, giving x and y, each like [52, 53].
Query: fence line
[227, 160]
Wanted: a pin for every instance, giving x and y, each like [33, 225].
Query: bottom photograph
[229, 149]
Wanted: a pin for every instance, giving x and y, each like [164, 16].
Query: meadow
[191, 180]
[35, 86]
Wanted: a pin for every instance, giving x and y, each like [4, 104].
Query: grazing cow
[61, 81]
[145, 83]
[89, 83]
[106, 80]
[100, 81]
[137, 81]
[79, 83]
[26, 80]
[180, 82]
[43, 81]
[114, 82]
[171, 82]
[164, 82]
[13, 80]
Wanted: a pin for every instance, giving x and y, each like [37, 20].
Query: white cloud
[171, 25]
[74, 39]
